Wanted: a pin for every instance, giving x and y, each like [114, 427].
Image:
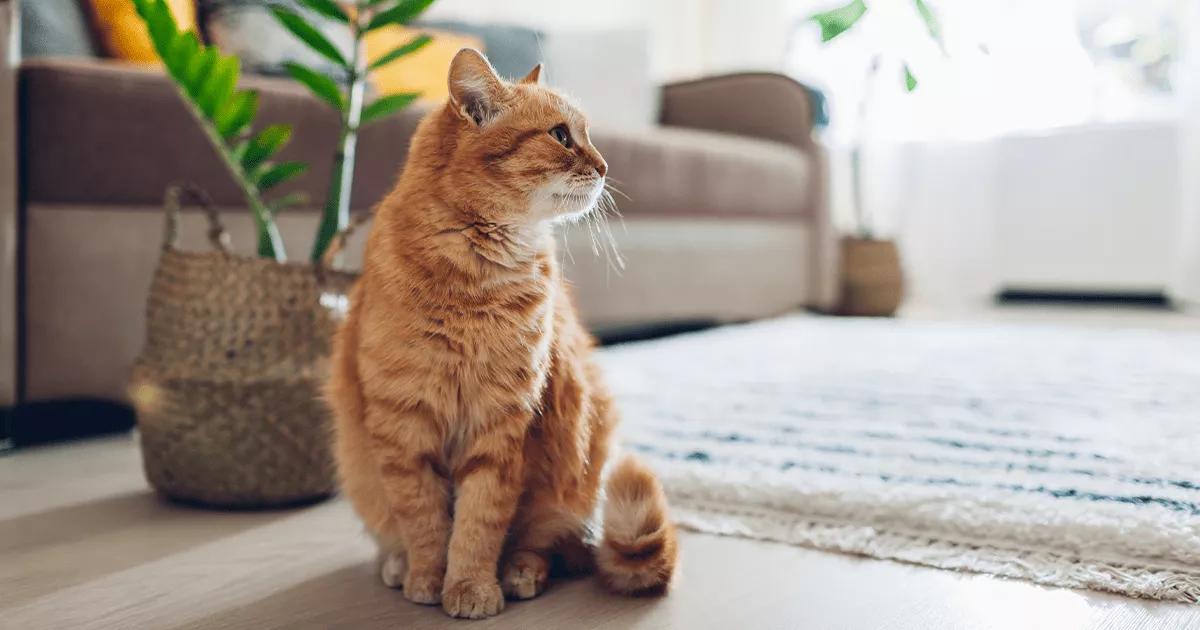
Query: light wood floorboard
[85, 544]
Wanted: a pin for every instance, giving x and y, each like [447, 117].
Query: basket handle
[172, 204]
[338, 243]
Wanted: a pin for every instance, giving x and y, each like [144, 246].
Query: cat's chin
[572, 212]
[567, 208]
[572, 217]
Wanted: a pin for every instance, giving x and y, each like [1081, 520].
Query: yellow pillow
[424, 71]
[123, 33]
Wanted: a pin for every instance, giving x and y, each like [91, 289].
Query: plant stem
[336, 215]
[862, 221]
[270, 243]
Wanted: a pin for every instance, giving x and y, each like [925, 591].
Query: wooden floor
[85, 544]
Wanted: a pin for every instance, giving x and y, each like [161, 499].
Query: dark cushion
[247, 30]
[55, 28]
[513, 50]
[100, 132]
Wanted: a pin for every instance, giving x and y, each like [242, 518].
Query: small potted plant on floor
[227, 387]
[872, 278]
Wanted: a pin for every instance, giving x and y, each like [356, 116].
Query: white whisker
[613, 188]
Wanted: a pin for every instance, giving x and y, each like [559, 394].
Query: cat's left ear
[476, 91]
[534, 77]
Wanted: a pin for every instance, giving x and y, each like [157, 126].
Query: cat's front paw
[524, 575]
[473, 599]
[423, 588]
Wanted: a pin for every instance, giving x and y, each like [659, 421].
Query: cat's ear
[476, 91]
[534, 77]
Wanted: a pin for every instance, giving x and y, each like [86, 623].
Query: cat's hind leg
[541, 537]
[392, 567]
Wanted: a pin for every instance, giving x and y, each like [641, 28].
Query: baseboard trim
[1155, 299]
[612, 335]
[30, 424]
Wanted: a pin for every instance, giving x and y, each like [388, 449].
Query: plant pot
[872, 282]
[228, 385]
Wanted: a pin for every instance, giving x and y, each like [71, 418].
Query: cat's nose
[591, 156]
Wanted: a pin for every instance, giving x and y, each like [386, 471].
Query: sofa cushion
[103, 133]
[55, 28]
[672, 171]
[99, 132]
[513, 50]
[122, 32]
[424, 71]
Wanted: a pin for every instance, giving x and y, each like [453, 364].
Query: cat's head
[521, 146]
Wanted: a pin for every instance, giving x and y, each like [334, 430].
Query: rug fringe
[1042, 567]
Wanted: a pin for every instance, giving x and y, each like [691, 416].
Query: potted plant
[365, 16]
[227, 387]
[872, 278]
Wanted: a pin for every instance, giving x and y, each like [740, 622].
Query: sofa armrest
[10, 47]
[756, 104]
[773, 107]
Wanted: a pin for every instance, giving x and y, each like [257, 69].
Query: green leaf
[320, 85]
[413, 46]
[207, 81]
[386, 106]
[402, 13]
[931, 23]
[910, 81]
[837, 21]
[287, 201]
[309, 34]
[327, 8]
[185, 47]
[236, 114]
[267, 143]
[278, 173]
[198, 68]
[218, 86]
[160, 23]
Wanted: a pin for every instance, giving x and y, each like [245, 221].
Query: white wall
[939, 201]
[676, 27]
[1091, 208]
[689, 38]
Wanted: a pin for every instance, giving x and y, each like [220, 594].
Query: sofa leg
[9, 199]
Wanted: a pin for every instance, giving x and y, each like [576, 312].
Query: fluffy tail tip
[638, 552]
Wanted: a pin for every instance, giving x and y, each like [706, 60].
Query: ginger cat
[471, 422]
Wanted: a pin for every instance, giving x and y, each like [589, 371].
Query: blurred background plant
[361, 17]
[833, 23]
[207, 81]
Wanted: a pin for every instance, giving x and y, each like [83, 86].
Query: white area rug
[1065, 456]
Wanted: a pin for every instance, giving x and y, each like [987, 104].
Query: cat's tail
[638, 551]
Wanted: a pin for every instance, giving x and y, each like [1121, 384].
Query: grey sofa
[726, 217]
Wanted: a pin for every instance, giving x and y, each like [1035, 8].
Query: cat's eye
[562, 135]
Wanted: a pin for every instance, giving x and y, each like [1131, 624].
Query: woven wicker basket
[872, 278]
[227, 387]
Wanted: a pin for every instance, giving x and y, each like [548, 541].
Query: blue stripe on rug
[843, 449]
[1174, 505]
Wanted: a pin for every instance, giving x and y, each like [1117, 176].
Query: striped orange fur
[471, 423]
